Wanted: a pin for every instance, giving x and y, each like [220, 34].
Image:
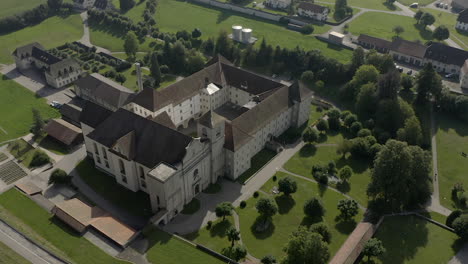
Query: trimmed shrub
[255, 194]
[40, 158]
[243, 204]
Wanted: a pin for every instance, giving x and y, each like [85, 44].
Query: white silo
[236, 33]
[246, 35]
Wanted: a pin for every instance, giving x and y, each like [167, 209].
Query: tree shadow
[65, 227]
[322, 188]
[285, 203]
[308, 221]
[424, 32]
[390, 6]
[323, 137]
[219, 229]
[343, 186]
[264, 234]
[222, 17]
[308, 151]
[345, 226]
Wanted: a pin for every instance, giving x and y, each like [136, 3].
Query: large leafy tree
[411, 132]
[266, 208]
[373, 248]
[427, 19]
[306, 247]
[348, 209]
[287, 185]
[224, 209]
[154, 69]
[441, 33]
[428, 83]
[314, 208]
[389, 85]
[131, 44]
[232, 235]
[126, 4]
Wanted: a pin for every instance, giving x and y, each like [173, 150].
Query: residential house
[459, 4]
[378, 44]
[277, 4]
[462, 21]
[57, 72]
[445, 58]
[310, 10]
[408, 52]
[88, 4]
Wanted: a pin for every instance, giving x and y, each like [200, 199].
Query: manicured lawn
[452, 140]
[257, 161]
[103, 37]
[301, 163]
[51, 33]
[13, 7]
[16, 104]
[314, 114]
[166, 249]
[371, 4]
[381, 25]
[137, 203]
[22, 151]
[51, 229]
[420, 2]
[212, 21]
[409, 239]
[7, 255]
[291, 216]
[450, 20]
[215, 237]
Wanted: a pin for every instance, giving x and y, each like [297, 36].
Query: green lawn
[291, 216]
[166, 249]
[450, 20]
[452, 140]
[22, 151]
[420, 2]
[409, 239]
[15, 97]
[371, 4]
[215, 237]
[137, 203]
[8, 256]
[13, 7]
[51, 33]
[50, 228]
[257, 162]
[381, 25]
[103, 37]
[301, 163]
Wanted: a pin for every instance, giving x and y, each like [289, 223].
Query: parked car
[410, 72]
[446, 6]
[437, 4]
[414, 5]
[399, 68]
[451, 76]
[56, 104]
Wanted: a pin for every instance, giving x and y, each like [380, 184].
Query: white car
[55, 104]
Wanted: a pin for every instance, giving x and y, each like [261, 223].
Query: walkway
[86, 38]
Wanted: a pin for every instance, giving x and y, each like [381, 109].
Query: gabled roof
[44, 56]
[312, 7]
[93, 114]
[463, 16]
[210, 119]
[446, 54]
[218, 58]
[165, 120]
[102, 89]
[153, 142]
[72, 112]
[409, 48]
[377, 42]
[27, 49]
[62, 131]
[298, 91]
[63, 66]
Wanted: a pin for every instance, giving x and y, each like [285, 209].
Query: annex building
[236, 113]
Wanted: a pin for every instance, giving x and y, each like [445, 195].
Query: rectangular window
[143, 184]
[107, 164]
[124, 179]
[98, 159]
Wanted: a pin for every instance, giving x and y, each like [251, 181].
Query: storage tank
[236, 32]
[246, 35]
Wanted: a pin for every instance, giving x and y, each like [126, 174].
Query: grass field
[13, 7]
[381, 25]
[8, 256]
[51, 229]
[257, 162]
[137, 203]
[371, 4]
[420, 2]
[450, 20]
[289, 217]
[301, 163]
[52, 32]
[452, 140]
[22, 151]
[409, 239]
[15, 97]
[166, 249]
[215, 237]
[101, 36]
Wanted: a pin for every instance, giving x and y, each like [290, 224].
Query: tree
[223, 45]
[323, 230]
[59, 176]
[340, 9]
[310, 135]
[266, 208]
[287, 185]
[224, 209]
[38, 123]
[348, 209]
[307, 77]
[195, 63]
[345, 173]
[236, 253]
[460, 225]
[452, 217]
[126, 4]
[196, 33]
[120, 78]
[427, 19]
[357, 60]
[232, 235]
[306, 247]
[441, 33]
[307, 29]
[373, 248]
[406, 81]
[39, 158]
[398, 30]
[344, 147]
[411, 132]
[154, 69]
[418, 15]
[365, 74]
[314, 208]
[268, 259]
[131, 44]
[366, 100]
[322, 125]
[54, 4]
[389, 85]
[428, 83]
[401, 175]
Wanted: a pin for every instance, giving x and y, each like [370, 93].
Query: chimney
[139, 79]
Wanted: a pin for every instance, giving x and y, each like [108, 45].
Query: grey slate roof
[446, 54]
[210, 119]
[463, 16]
[149, 143]
[377, 42]
[71, 112]
[44, 56]
[311, 7]
[27, 49]
[165, 120]
[93, 114]
[408, 48]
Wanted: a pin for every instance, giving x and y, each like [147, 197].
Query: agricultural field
[51, 33]
[17, 123]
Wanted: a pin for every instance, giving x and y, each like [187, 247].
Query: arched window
[195, 174]
[122, 167]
